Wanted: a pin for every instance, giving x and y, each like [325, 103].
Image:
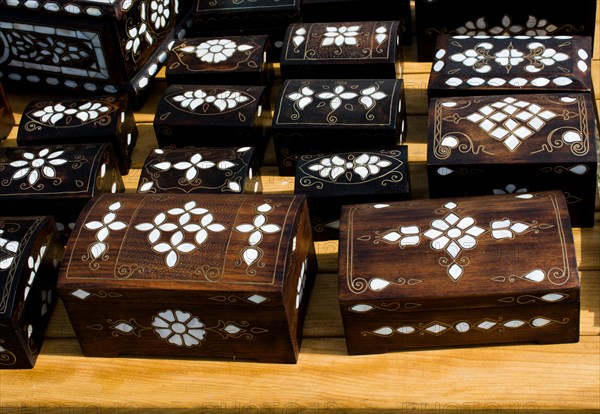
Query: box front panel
[465, 65]
[387, 329]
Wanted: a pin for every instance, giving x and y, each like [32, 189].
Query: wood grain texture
[520, 378]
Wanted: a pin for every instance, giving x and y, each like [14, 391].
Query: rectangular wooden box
[93, 119]
[30, 255]
[338, 50]
[7, 119]
[197, 275]
[56, 180]
[229, 17]
[465, 66]
[316, 115]
[201, 170]
[509, 18]
[106, 46]
[515, 143]
[225, 60]
[458, 272]
[360, 10]
[213, 116]
[331, 180]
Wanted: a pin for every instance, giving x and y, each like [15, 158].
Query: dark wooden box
[30, 255]
[506, 18]
[201, 170]
[90, 47]
[56, 180]
[348, 49]
[316, 115]
[213, 116]
[226, 60]
[515, 143]
[466, 65]
[360, 10]
[196, 275]
[331, 180]
[229, 17]
[458, 272]
[93, 119]
[7, 119]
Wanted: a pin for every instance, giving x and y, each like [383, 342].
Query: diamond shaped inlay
[504, 121]
[257, 299]
[81, 294]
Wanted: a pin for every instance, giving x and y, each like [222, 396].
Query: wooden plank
[514, 377]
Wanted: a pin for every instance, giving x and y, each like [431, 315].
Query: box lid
[210, 105]
[465, 252]
[342, 42]
[57, 172]
[351, 103]
[518, 128]
[17, 237]
[88, 117]
[201, 242]
[512, 63]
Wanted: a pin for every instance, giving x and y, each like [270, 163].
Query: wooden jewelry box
[515, 143]
[481, 65]
[201, 170]
[317, 115]
[93, 119]
[56, 180]
[331, 180]
[226, 60]
[213, 116]
[30, 255]
[349, 49]
[511, 18]
[360, 10]
[227, 17]
[197, 275]
[90, 47]
[7, 119]
[458, 272]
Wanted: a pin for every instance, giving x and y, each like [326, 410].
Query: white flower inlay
[224, 100]
[54, 113]
[160, 13]
[302, 98]
[369, 96]
[453, 234]
[337, 96]
[179, 328]
[533, 27]
[176, 243]
[405, 236]
[506, 229]
[8, 251]
[257, 229]
[364, 165]
[136, 34]
[339, 36]
[192, 166]
[103, 228]
[34, 166]
[215, 50]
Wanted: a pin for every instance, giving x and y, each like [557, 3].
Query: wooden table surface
[508, 378]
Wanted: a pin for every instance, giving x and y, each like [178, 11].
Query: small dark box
[234, 60]
[331, 180]
[340, 50]
[82, 121]
[30, 255]
[201, 170]
[317, 115]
